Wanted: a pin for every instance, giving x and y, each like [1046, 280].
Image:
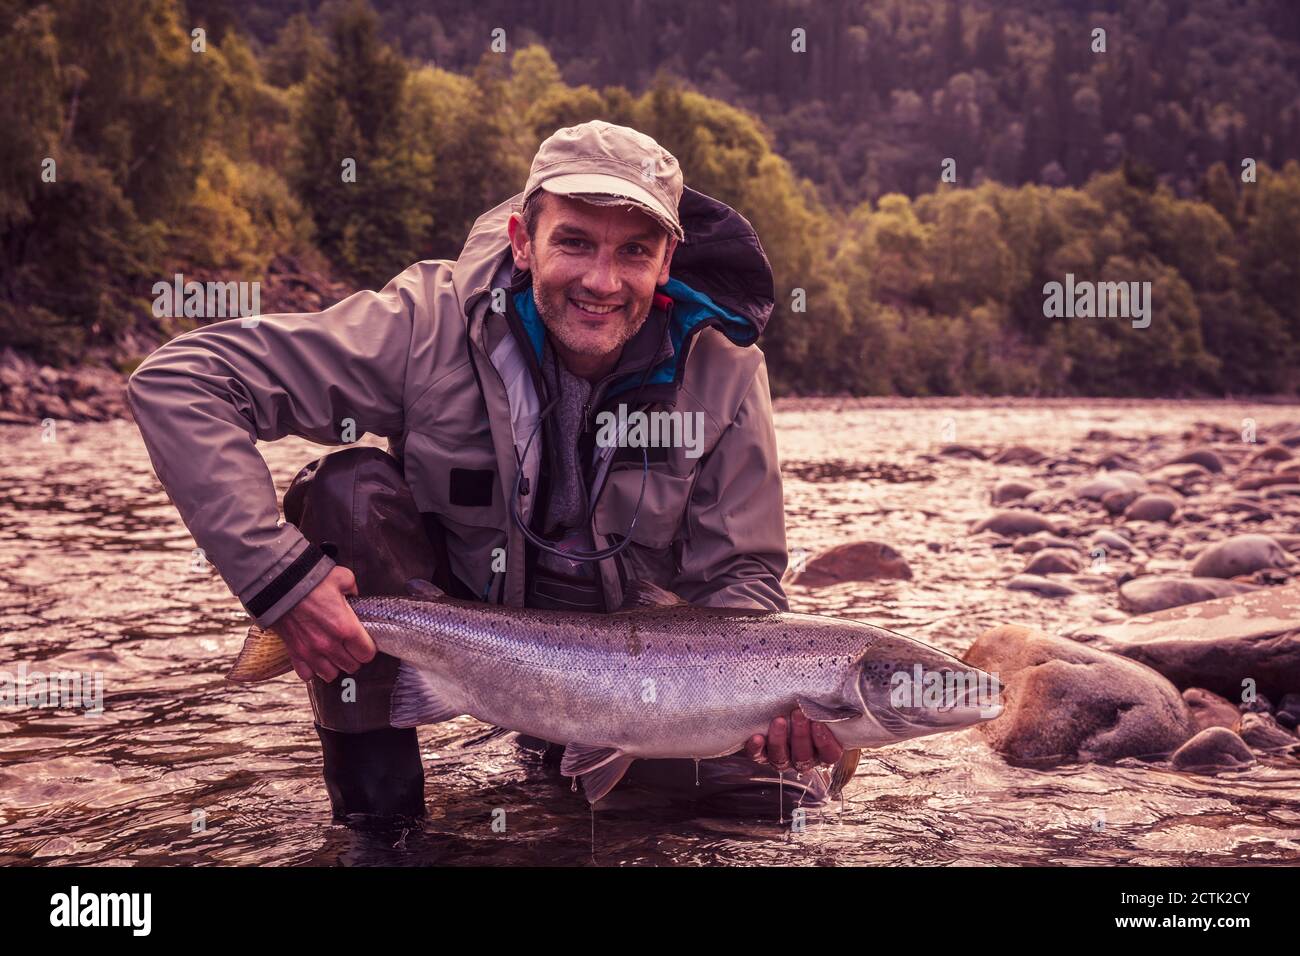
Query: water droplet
[697, 771]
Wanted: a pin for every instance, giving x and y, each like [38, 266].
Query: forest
[918, 172]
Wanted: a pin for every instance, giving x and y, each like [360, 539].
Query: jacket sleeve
[204, 399]
[736, 552]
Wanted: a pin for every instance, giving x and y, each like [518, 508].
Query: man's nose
[602, 278]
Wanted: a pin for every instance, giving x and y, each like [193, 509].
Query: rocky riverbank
[95, 391]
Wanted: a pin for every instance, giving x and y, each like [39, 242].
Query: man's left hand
[795, 741]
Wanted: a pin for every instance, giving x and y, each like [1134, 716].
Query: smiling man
[606, 283]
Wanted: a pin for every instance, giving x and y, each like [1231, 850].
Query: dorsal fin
[643, 594]
[423, 590]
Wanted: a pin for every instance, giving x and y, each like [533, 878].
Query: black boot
[376, 774]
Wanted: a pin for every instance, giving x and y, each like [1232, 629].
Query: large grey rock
[1045, 587]
[1151, 508]
[1205, 457]
[1054, 561]
[1262, 732]
[1013, 524]
[1215, 644]
[1067, 702]
[857, 561]
[1018, 454]
[1005, 491]
[1215, 748]
[1156, 592]
[1208, 709]
[1240, 554]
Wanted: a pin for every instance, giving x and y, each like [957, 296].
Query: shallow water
[97, 575]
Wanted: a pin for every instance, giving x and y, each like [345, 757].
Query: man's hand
[322, 632]
[797, 740]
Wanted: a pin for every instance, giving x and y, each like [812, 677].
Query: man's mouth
[595, 309]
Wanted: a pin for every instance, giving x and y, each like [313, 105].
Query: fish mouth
[968, 698]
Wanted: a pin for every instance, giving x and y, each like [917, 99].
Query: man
[605, 286]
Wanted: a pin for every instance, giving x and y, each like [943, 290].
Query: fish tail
[262, 657]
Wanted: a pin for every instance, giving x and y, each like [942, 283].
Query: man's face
[595, 269]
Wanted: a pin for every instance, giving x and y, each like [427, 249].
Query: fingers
[828, 748]
[347, 581]
[801, 743]
[778, 743]
[754, 747]
[302, 669]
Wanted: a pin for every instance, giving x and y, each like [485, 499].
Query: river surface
[98, 576]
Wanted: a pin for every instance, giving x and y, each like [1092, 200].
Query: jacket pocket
[661, 512]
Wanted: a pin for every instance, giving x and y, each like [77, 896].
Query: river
[98, 576]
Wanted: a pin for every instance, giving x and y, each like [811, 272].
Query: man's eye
[571, 243]
[637, 249]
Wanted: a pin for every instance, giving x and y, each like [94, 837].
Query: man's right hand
[322, 632]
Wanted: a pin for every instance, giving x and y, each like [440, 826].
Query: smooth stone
[1288, 711]
[857, 561]
[1208, 709]
[1272, 453]
[1110, 541]
[1005, 491]
[1041, 540]
[1282, 491]
[1108, 615]
[1154, 592]
[1018, 454]
[1040, 585]
[1117, 480]
[963, 451]
[1241, 554]
[1117, 460]
[1258, 482]
[1116, 501]
[1013, 524]
[1040, 499]
[1215, 644]
[1054, 561]
[1291, 467]
[1151, 508]
[1215, 748]
[1178, 476]
[1204, 457]
[1066, 702]
[1262, 732]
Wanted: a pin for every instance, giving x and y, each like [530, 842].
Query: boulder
[1210, 710]
[1045, 587]
[963, 451]
[1156, 592]
[1262, 732]
[1215, 644]
[1005, 491]
[1116, 501]
[1205, 457]
[1054, 561]
[1151, 508]
[1240, 554]
[1018, 454]
[1013, 524]
[857, 561]
[1066, 702]
[1214, 748]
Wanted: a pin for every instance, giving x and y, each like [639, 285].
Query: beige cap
[603, 163]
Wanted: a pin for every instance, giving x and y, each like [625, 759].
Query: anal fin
[415, 701]
[600, 768]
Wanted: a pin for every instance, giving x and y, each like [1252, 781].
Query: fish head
[908, 689]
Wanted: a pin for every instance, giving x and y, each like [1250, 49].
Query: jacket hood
[721, 263]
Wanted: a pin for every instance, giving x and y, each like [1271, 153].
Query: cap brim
[598, 184]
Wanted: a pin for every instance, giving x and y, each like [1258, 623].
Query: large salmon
[659, 678]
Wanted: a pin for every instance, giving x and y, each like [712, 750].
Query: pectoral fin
[643, 594]
[843, 771]
[415, 701]
[262, 657]
[828, 712]
[600, 768]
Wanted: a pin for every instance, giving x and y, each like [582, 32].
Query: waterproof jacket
[443, 362]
